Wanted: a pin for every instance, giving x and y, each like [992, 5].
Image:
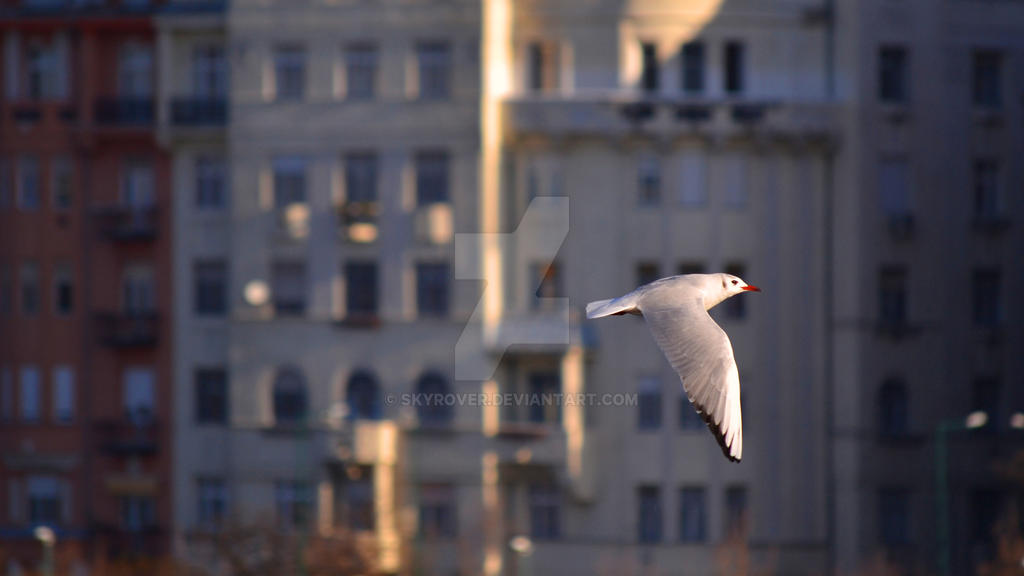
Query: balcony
[127, 223]
[125, 112]
[136, 435]
[127, 329]
[199, 112]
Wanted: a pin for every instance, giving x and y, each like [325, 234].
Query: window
[135, 71]
[29, 394]
[139, 395]
[691, 268]
[44, 500]
[138, 513]
[437, 511]
[894, 516]
[734, 67]
[892, 296]
[432, 177]
[736, 182]
[987, 509]
[63, 289]
[693, 515]
[650, 77]
[294, 503]
[735, 307]
[541, 67]
[289, 181]
[42, 71]
[63, 394]
[28, 183]
[361, 289]
[289, 73]
[209, 72]
[61, 183]
[693, 67]
[648, 181]
[735, 510]
[548, 280]
[29, 288]
[356, 499]
[433, 404]
[211, 279]
[545, 512]
[210, 183]
[894, 187]
[288, 288]
[6, 394]
[689, 419]
[892, 74]
[985, 398]
[435, 70]
[212, 501]
[649, 523]
[544, 387]
[647, 272]
[289, 397]
[360, 71]
[893, 408]
[6, 289]
[363, 397]
[987, 79]
[986, 296]
[693, 190]
[360, 177]
[432, 281]
[649, 403]
[986, 189]
[211, 396]
[137, 184]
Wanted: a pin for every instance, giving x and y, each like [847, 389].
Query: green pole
[47, 559]
[942, 494]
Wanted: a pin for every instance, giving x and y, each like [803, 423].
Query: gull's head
[733, 285]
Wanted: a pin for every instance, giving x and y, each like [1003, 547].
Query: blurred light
[1017, 423]
[45, 535]
[976, 420]
[524, 455]
[521, 545]
[362, 232]
[257, 293]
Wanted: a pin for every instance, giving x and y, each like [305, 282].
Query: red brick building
[85, 264]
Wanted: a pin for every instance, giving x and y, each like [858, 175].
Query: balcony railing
[127, 112]
[132, 435]
[199, 111]
[127, 329]
[127, 223]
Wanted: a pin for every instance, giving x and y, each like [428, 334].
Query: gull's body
[676, 311]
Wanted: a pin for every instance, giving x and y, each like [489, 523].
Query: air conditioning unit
[433, 223]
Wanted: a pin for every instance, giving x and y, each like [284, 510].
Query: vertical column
[164, 80]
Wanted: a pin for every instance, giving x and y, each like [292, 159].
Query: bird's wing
[700, 352]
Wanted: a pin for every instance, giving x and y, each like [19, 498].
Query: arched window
[290, 400]
[893, 408]
[363, 397]
[433, 403]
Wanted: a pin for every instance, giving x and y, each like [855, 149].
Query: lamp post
[523, 547]
[47, 538]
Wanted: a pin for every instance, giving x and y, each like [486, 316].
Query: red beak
[750, 288]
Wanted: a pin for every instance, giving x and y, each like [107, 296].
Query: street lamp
[47, 538]
[523, 547]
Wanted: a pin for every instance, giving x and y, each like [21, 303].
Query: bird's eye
[735, 282]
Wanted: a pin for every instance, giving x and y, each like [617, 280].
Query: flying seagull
[676, 311]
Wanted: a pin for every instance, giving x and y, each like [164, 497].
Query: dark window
[734, 67]
[431, 177]
[432, 289]
[361, 177]
[535, 54]
[44, 502]
[291, 404]
[987, 79]
[985, 398]
[294, 503]
[288, 288]
[211, 393]
[892, 74]
[361, 289]
[64, 292]
[691, 268]
[212, 501]
[138, 513]
[355, 504]
[210, 183]
[544, 389]
[986, 295]
[651, 78]
[649, 404]
[893, 408]
[649, 523]
[693, 515]
[289, 181]
[363, 397]
[986, 508]
[647, 272]
[289, 73]
[545, 512]
[29, 280]
[433, 401]
[735, 510]
[360, 71]
[435, 69]
[210, 281]
[736, 307]
[986, 188]
[693, 67]
[437, 511]
[689, 419]
[892, 297]
[894, 516]
[648, 181]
